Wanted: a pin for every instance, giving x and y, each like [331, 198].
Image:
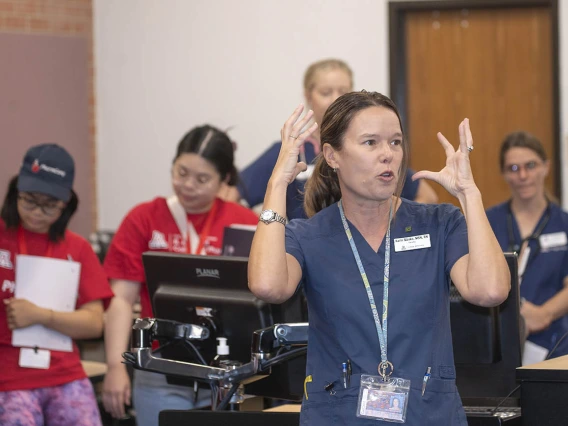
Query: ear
[330, 156]
[546, 167]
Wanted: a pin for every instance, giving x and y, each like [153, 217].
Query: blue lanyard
[385, 367]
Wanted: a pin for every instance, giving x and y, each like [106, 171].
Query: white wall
[164, 67]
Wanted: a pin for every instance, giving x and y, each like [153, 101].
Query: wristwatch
[269, 216]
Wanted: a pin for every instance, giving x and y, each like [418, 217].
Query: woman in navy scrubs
[349, 256]
[530, 224]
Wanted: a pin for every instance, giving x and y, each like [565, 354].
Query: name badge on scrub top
[34, 358]
[415, 242]
[552, 240]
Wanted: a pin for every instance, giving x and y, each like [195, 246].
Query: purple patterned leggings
[73, 403]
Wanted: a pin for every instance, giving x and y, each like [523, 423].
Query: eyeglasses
[516, 168]
[49, 208]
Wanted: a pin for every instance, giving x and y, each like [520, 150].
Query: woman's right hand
[116, 391]
[287, 166]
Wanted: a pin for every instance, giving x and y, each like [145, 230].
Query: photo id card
[383, 400]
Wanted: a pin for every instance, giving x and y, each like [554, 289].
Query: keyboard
[501, 412]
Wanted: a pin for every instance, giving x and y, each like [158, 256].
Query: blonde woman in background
[324, 82]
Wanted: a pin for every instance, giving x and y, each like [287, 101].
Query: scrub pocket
[440, 399]
[317, 409]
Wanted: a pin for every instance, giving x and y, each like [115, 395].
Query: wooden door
[494, 66]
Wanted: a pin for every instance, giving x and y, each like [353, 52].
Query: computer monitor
[487, 345]
[182, 286]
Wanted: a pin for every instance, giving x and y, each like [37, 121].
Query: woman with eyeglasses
[191, 221]
[40, 385]
[536, 228]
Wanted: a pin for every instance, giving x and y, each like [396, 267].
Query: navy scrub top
[254, 180]
[341, 322]
[546, 268]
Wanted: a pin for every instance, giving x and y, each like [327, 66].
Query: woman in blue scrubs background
[362, 244]
[536, 228]
[324, 82]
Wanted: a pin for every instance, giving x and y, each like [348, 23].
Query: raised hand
[456, 177]
[287, 166]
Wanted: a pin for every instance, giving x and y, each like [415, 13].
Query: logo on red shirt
[178, 243]
[5, 261]
[8, 286]
[158, 241]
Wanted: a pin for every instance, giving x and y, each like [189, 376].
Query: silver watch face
[267, 215]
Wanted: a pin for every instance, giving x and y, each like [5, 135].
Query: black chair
[100, 242]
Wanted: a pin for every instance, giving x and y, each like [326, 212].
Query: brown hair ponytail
[322, 188]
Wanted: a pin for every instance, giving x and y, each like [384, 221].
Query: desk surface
[95, 370]
[552, 370]
[560, 363]
[286, 408]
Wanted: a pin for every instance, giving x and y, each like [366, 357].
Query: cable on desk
[519, 386]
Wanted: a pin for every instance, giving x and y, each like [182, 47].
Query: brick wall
[57, 17]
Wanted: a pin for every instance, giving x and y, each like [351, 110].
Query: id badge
[383, 400]
[34, 358]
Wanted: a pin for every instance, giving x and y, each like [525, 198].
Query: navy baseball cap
[47, 169]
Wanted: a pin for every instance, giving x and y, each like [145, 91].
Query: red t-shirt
[93, 285]
[150, 226]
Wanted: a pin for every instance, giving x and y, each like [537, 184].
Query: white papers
[533, 353]
[51, 284]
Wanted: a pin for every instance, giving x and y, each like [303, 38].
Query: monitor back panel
[494, 377]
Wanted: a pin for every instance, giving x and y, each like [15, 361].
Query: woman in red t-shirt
[43, 382]
[191, 221]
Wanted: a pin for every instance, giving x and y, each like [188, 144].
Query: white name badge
[555, 239]
[34, 358]
[412, 243]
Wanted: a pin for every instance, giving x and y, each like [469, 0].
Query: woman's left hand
[23, 313]
[537, 318]
[456, 177]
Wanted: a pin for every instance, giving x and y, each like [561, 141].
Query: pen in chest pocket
[425, 380]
